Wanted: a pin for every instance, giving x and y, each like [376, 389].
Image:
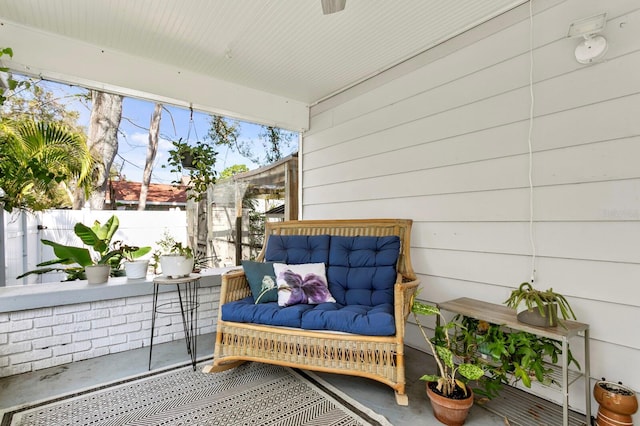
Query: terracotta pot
[533, 317]
[617, 404]
[451, 412]
[97, 274]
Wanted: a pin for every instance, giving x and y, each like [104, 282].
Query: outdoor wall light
[593, 47]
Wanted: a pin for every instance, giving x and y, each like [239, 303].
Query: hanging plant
[196, 161]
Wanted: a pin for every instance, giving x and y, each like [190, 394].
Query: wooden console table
[503, 315]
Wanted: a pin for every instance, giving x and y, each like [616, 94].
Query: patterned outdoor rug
[251, 394]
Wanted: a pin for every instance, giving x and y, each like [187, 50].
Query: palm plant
[38, 161]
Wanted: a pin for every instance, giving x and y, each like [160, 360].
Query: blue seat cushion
[245, 310]
[362, 270]
[356, 319]
[297, 249]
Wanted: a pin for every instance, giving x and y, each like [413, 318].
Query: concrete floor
[44, 384]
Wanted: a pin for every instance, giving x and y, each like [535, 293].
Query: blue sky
[133, 140]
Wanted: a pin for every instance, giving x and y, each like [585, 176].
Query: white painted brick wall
[41, 338]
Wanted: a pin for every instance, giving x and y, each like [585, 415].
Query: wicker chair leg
[222, 367]
[402, 399]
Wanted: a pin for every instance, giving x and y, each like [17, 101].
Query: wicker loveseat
[361, 334]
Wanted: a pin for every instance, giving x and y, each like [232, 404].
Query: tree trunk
[152, 149]
[102, 141]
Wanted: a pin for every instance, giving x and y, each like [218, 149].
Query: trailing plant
[509, 356]
[441, 347]
[532, 298]
[201, 169]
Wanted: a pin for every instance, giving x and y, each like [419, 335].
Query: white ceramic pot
[97, 274]
[175, 265]
[136, 269]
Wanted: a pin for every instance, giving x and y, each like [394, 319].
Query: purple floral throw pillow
[305, 283]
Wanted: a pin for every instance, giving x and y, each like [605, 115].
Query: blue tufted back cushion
[297, 249]
[362, 270]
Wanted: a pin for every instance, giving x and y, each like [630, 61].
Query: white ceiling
[286, 48]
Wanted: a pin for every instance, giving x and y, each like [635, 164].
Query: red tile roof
[129, 193]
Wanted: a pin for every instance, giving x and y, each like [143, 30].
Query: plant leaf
[79, 255]
[430, 378]
[470, 371]
[424, 308]
[445, 355]
[86, 234]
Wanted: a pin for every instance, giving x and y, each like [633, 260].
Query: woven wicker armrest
[403, 293]
[234, 287]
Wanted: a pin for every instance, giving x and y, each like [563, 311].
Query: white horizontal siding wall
[443, 140]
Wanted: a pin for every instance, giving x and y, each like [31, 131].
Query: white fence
[23, 232]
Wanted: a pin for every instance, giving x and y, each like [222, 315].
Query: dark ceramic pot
[533, 317]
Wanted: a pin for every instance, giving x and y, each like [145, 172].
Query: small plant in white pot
[177, 262]
[135, 267]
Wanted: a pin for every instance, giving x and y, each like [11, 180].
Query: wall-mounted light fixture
[593, 47]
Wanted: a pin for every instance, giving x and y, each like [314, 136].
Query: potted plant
[186, 154]
[94, 263]
[178, 262]
[541, 306]
[616, 403]
[198, 161]
[451, 397]
[135, 267]
[508, 356]
[174, 259]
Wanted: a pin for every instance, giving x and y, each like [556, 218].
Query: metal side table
[186, 305]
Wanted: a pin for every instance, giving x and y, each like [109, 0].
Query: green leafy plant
[11, 82]
[532, 298]
[198, 161]
[168, 245]
[97, 238]
[38, 161]
[180, 250]
[131, 253]
[441, 347]
[508, 356]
